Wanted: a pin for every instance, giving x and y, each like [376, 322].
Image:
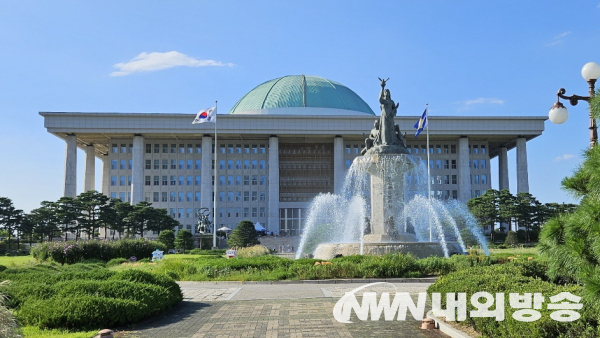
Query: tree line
[82, 217]
[513, 213]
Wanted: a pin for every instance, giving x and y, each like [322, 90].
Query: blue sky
[465, 58]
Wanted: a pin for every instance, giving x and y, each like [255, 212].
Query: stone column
[522, 173]
[105, 175]
[273, 216]
[137, 172]
[464, 170]
[339, 172]
[90, 168]
[70, 189]
[206, 173]
[503, 169]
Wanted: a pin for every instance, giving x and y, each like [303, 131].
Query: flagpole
[215, 187]
[428, 174]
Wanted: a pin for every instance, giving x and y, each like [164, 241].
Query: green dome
[299, 91]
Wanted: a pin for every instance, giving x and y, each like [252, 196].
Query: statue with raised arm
[385, 137]
[387, 132]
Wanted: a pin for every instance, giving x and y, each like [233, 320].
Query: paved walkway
[230, 310]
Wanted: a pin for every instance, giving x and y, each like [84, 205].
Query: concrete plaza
[279, 309]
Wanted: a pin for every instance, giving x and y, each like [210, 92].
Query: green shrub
[253, 251]
[507, 278]
[167, 237]
[244, 235]
[116, 261]
[217, 252]
[511, 239]
[81, 312]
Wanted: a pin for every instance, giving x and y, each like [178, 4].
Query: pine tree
[244, 235]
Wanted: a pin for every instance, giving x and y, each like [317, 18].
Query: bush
[116, 261]
[73, 252]
[167, 237]
[184, 240]
[217, 252]
[511, 239]
[507, 278]
[253, 251]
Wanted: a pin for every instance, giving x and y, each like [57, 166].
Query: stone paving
[216, 312]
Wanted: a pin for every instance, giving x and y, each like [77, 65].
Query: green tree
[511, 239]
[92, 203]
[167, 237]
[571, 241]
[244, 235]
[184, 240]
[10, 217]
[506, 208]
[45, 221]
[485, 209]
[67, 212]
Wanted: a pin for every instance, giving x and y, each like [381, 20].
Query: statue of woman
[387, 133]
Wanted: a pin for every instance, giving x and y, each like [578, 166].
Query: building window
[181, 164]
[165, 164]
[189, 164]
[263, 180]
[229, 196]
[438, 149]
[482, 163]
[254, 180]
[173, 180]
[222, 164]
[180, 196]
[446, 179]
[172, 196]
[123, 165]
[453, 164]
[113, 165]
[246, 212]
[246, 196]
[156, 164]
[222, 196]
[348, 164]
[238, 180]
[475, 149]
[454, 179]
[263, 149]
[165, 180]
[189, 180]
[238, 164]
[188, 196]
[197, 165]
[262, 196]
[147, 180]
[452, 149]
[221, 180]
[156, 180]
[254, 212]
[483, 179]
[238, 196]
[475, 164]
[254, 164]
[483, 149]
[182, 148]
[155, 197]
[198, 148]
[246, 180]
[230, 165]
[129, 180]
[246, 164]
[113, 180]
[197, 196]
[438, 164]
[115, 148]
[173, 148]
[229, 180]
[181, 180]
[164, 196]
[246, 149]
[446, 164]
[445, 148]
[254, 149]
[197, 180]
[157, 148]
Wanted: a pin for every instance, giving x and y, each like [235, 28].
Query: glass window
[263, 196]
[173, 180]
[348, 164]
[229, 196]
[222, 164]
[190, 148]
[452, 149]
[445, 148]
[182, 148]
[197, 196]
[197, 180]
[165, 180]
[165, 164]
[165, 148]
[263, 180]
[156, 180]
[475, 149]
[181, 164]
[229, 180]
[221, 180]
[475, 164]
[438, 149]
[172, 196]
[246, 179]
[156, 148]
[129, 180]
[261, 164]
[246, 196]
[446, 164]
[230, 164]
[155, 197]
[179, 213]
[173, 148]
[254, 180]
[238, 196]
[180, 196]
[438, 164]
[173, 164]
[254, 149]
[113, 165]
[431, 149]
[454, 179]
[156, 164]
[453, 166]
[113, 180]
[482, 163]
[238, 180]
[181, 180]
[238, 164]
[146, 180]
[123, 164]
[189, 180]
[348, 149]
[246, 164]
[230, 148]
[483, 179]
[198, 148]
[188, 196]
[246, 212]
[246, 149]
[222, 149]
[222, 196]
[254, 164]
[197, 164]
[476, 179]
[262, 149]
[446, 179]
[483, 149]
[115, 148]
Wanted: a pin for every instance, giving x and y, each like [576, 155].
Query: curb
[322, 281]
[445, 328]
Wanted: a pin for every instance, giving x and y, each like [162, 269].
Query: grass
[531, 251]
[15, 261]
[35, 332]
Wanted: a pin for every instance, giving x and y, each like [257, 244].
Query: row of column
[137, 184]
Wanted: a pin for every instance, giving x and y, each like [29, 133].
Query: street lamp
[559, 114]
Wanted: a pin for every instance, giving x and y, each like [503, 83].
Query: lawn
[35, 332]
[14, 261]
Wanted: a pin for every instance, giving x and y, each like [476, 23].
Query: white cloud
[564, 157]
[468, 104]
[558, 40]
[149, 62]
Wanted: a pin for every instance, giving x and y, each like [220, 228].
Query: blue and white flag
[206, 115]
[422, 123]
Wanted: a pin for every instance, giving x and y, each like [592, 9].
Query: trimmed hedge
[88, 297]
[516, 278]
[72, 252]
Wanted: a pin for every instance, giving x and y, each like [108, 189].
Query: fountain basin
[417, 249]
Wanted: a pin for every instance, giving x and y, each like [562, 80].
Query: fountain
[390, 185]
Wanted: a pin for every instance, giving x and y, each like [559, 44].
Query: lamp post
[558, 113]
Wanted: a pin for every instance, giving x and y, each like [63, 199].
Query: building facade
[283, 143]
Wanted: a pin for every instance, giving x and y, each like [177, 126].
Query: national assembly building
[283, 143]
